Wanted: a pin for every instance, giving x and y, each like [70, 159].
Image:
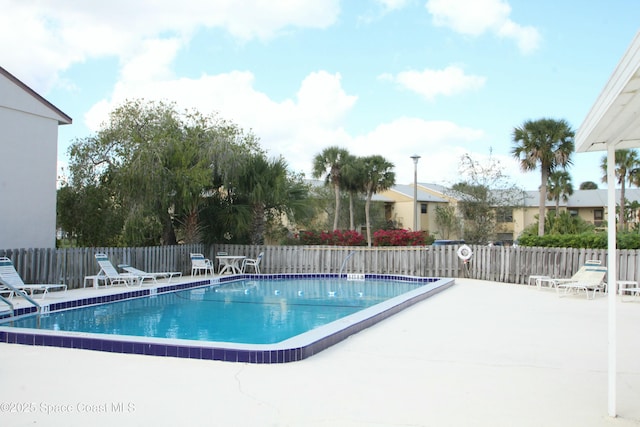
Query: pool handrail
[19, 292]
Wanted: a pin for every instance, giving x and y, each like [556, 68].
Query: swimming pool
[301, 318]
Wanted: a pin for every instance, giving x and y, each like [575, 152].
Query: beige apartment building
[590, 205]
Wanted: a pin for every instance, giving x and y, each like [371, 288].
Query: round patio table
[230, 263]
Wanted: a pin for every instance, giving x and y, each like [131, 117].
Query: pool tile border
[294, 349]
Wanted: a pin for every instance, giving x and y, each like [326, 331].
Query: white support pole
[415, 159]
[612, 275]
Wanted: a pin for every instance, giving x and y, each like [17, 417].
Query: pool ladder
[344, 263]
[9, 304]
[19, 292]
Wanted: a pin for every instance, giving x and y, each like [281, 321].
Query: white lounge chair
[553, 282]
[590, 279]
[255, 263]
[200, 263]
[9, 275]
[151, 276]
[110, 275]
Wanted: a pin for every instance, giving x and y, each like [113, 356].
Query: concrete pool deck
[478, 354]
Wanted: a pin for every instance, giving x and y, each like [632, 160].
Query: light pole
[415, 158]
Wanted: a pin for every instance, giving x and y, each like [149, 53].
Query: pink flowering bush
[353, 238]
[401, 238]
[332, 238]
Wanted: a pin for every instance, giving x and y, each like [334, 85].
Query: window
[423, 208]
[598, 217]
[504, 215]
[573, 212]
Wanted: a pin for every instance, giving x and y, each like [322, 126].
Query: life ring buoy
[464, 253]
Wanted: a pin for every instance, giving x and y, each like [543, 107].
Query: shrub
[331, 238]
[401, 238]
[593, 240]
[353, 238]
[628, 240]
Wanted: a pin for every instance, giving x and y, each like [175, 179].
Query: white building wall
[27, 180]
[28, 167]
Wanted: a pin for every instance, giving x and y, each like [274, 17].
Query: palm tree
[559, 186]
[266, 191]
[547, 143]
[330, 163]
[379, 177]
[627, 162]
[353, 181]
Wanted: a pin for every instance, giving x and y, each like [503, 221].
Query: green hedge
[594, 240]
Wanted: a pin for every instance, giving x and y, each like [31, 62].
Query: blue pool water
[246, 311]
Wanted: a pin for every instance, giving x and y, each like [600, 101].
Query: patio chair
[200, 263]
[553, 282]
[255, 263]
[151, 276]
[110, 275]
[591, 279]
[10, 276]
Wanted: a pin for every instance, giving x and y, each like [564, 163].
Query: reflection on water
[255, 312]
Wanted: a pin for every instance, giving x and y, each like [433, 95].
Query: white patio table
[230, 263]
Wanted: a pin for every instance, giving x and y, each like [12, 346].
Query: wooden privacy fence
[497, 263]
[501, 264]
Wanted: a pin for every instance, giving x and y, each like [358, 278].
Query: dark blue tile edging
[104, 299]
[294, 349]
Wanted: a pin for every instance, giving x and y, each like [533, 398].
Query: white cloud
[471, 17]
[439, 143]
[322, 99]
[42, 38]
[431, 83]
[476, 17]
[527, 38]
[152, 60]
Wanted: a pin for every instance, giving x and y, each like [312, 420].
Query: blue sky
[437, 78]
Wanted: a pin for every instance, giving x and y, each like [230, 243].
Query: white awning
[614, 119]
